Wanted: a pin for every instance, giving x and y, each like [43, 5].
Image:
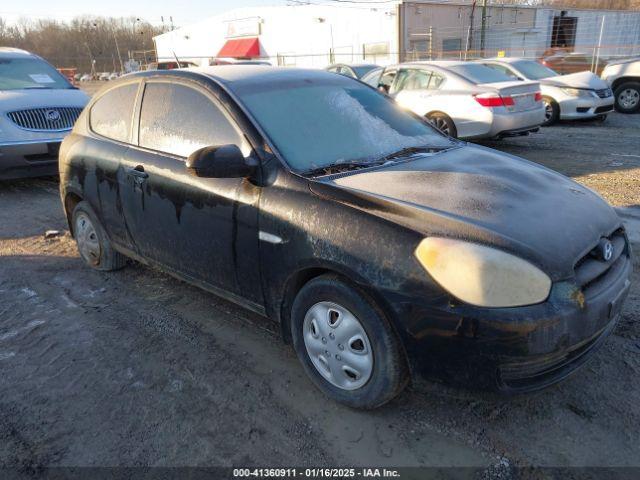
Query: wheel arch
[440, 112]
[619, 81]
[71, 200]
[297, 280]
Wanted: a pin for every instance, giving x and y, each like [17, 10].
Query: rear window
[477, 73]
[29, 73]
[112, 113]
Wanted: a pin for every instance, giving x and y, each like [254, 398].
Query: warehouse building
[316, 35]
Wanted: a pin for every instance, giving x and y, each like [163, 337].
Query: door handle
[138, 172]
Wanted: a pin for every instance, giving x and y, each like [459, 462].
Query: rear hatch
[517, 96]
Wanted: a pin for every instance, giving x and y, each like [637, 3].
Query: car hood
[481, 195]
[21, 99]
[576, 80]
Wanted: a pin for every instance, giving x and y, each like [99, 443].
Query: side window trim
[130, 140]
[173, 81]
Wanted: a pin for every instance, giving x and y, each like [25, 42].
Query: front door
[203, 228]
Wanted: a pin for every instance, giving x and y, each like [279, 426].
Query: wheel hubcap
[87, 239]
[338, 345]
[629, 98]
[548, 110]
[440, 123]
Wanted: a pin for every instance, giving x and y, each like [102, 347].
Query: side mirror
[222, 161]
[383, 88]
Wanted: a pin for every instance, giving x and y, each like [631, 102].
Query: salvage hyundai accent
[384, 249]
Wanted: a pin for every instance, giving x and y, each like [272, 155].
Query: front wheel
[627, 97]
[346, 345]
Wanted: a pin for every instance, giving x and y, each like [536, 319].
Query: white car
[38, 107]
[624, 78]
[85, 78]
[565, 97]
[464, 99]
[104, 76]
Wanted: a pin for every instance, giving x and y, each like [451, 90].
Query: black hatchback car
[384, 249]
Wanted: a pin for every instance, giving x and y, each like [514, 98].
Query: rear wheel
[93, 244]
[551, 111]
[627, 97]
[346, 345]
[443, 123]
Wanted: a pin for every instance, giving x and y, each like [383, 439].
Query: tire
[551, 111]
[93, 244]
[627, 97]
[373, 370]
[443, 123]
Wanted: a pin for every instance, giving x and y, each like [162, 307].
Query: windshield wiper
[408, 151]
[35, 87]
[342, 167]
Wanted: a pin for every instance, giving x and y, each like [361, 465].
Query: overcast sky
[183, 11]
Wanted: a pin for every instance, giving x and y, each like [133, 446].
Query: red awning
[240, 48]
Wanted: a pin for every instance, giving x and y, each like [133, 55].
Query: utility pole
[484, 26]
[470, 35]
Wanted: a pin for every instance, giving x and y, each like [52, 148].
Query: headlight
[482, 276]
[577, 92]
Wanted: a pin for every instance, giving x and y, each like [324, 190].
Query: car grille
[46, 119]
[592, 273]
[604, 92]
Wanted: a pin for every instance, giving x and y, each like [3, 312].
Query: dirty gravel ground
[136, 368]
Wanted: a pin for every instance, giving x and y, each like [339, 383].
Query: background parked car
[170, 65]
[566, 97]
[86, 77]
[571, 62]
[624, 78]
[355, 70]
[464, 99]
[38, 107]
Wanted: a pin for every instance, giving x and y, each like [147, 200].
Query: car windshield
[315, 123]
[534, 70]
[23, 73]
[478, 74]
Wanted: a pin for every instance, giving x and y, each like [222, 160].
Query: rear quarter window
[112, 113]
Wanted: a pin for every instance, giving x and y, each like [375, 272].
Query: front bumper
[511, 350]
[574, 108]
[29, 158]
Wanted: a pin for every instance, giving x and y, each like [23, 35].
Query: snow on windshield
[318, 124]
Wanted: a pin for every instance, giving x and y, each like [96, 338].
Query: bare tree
[80, 41]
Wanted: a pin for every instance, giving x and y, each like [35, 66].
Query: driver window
[178, 120]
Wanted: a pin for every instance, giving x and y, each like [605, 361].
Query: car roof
[8, 52]
[437, 63]
[506, 59]
[246, 74]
